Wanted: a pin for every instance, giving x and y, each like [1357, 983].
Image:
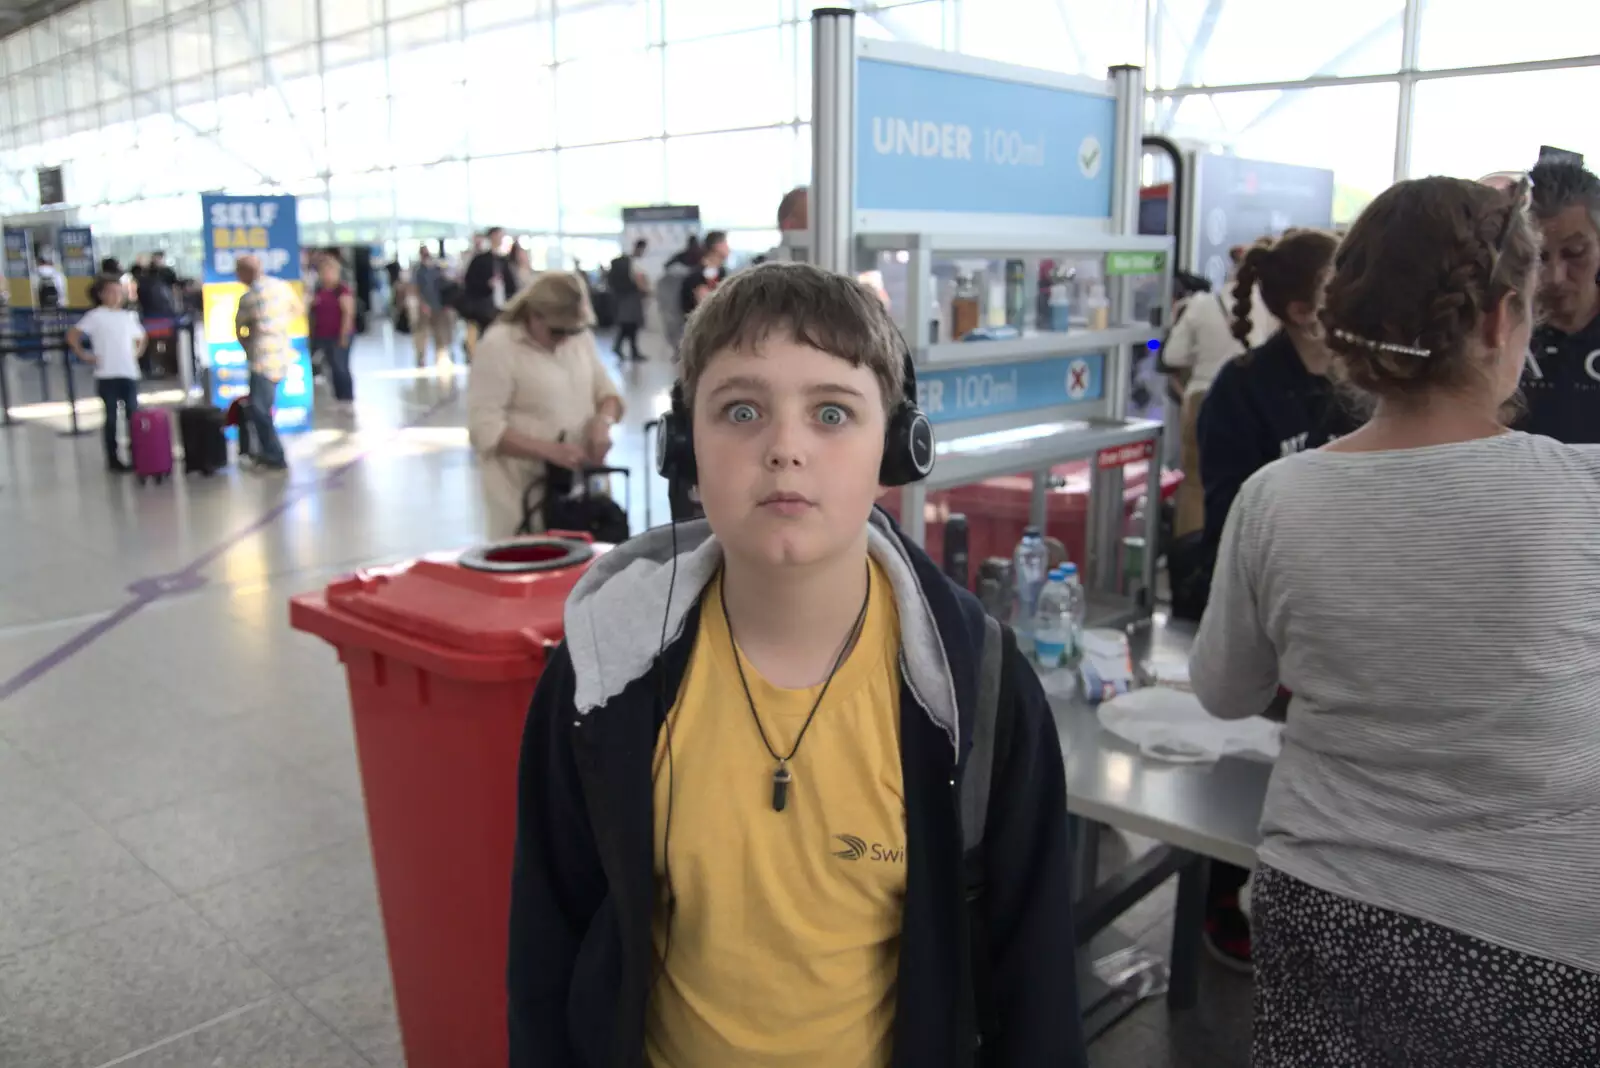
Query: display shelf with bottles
[983, 302]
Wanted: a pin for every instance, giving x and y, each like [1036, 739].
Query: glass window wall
[410, 119]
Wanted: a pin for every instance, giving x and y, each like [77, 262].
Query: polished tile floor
[184, 872]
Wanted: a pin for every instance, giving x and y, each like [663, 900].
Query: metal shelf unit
[892, 175]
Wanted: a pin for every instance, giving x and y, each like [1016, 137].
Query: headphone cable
[666, 718]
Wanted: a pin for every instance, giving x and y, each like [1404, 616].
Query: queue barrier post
[67, 361]
[6, 421]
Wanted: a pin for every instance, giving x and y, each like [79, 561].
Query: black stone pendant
[780, 787]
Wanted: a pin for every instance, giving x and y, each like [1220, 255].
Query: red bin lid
[504, 599]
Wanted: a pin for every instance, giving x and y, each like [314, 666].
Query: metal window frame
[787, 17]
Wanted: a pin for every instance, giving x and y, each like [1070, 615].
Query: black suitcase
[578, 501]
[205, 445]
[604, 303]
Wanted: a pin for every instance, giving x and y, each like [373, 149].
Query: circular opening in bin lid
[526, 555]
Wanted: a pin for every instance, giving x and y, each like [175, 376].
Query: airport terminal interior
[187, 873]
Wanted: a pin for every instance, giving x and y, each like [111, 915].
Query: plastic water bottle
[1030, 567]
[1077, 604]
[1052, 623]
[1060, 305]
[1133, 552]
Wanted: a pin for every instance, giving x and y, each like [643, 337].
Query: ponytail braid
[1244, 285]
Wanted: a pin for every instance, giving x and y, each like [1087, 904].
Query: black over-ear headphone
[907, 440]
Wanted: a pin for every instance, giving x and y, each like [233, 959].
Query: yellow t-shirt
[784, 949]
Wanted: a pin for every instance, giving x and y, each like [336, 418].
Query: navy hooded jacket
[1262, 407]
[582, 958]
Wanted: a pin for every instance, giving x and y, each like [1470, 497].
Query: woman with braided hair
[1274, 400]
[1431, 834]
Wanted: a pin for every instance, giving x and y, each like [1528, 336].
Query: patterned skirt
[1340, 984]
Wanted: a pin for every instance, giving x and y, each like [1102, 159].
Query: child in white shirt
[116, 341]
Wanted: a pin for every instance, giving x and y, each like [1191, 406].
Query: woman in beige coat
[538, 395]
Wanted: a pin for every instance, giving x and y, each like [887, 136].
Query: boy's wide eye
[833, 415]
[740, 412]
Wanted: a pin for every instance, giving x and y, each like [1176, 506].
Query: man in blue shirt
[434, 318]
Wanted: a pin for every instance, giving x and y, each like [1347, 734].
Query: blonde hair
[558, 297]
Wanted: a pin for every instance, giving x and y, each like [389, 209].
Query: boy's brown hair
[818, 308]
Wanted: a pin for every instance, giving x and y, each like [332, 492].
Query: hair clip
[1381, 346]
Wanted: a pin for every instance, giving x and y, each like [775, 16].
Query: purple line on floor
[54, 658]
[151, 588]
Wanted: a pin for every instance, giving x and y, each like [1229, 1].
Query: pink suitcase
[151, 434]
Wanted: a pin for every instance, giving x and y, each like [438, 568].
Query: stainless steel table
[1199, 812]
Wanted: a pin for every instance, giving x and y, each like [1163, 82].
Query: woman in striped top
[1430, 858]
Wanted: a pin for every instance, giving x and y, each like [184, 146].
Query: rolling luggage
[150, 431]
[160, 359]
[578, 501]
[205, 446]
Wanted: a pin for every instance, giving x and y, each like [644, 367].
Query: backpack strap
[980, 759]
[989, 736]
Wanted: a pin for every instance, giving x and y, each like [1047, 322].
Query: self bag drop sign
[939, 140]
[267, 228]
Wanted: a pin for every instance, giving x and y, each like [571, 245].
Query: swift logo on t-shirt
[857, 849]
[854, 848]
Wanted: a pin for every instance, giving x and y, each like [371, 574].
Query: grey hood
[614, 615]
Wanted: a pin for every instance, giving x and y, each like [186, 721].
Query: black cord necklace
[781, 777]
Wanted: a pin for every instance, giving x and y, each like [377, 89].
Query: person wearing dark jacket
[489, 282]
[739, 831]
[1561, 381]
[704, 277]
[1273, 401]
[156, 289]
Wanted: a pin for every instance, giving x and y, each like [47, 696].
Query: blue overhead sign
[940, 140]
[1009, 388]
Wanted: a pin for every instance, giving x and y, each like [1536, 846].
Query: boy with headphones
[740, 833]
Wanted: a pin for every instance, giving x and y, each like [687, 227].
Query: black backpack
[1189, 565]
[49, 293]
[619, 278]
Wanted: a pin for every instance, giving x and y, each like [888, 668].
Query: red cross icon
[1079, 381]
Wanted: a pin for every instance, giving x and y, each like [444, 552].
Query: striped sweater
[1436, 613]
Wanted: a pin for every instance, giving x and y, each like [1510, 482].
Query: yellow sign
[78, 292]
[253, 238]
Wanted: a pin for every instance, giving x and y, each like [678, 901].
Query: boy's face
[788, 441]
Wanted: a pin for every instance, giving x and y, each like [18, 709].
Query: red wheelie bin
[442, 656]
